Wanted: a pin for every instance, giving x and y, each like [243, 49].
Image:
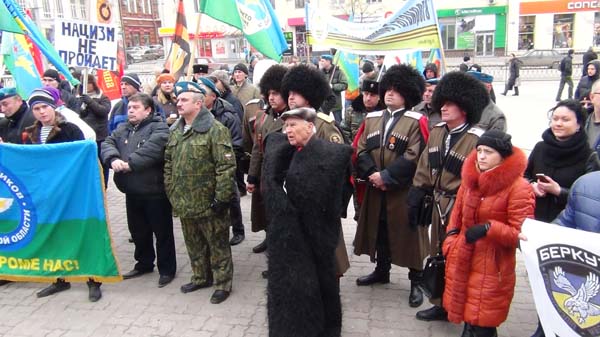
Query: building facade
[141, 21]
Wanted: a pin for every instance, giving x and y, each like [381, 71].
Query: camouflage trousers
[207, 243]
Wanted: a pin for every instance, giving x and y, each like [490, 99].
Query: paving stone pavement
[138, 308]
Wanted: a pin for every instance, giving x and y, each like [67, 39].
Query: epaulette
[413, 114]
[375, 114]
[253, 101]
[476, 131]
[325, 117]
[439, 124]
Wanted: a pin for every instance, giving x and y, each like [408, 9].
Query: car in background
[212, 65]
[152, 54]
[548, 58]
[135, 54]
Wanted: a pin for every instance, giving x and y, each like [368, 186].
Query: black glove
[477, 232]
[86, 99]
[414, 201]
[219, 207]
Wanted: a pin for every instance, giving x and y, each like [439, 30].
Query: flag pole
[194, 47]
[442, 54]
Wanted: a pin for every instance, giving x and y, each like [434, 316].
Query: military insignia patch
[335, 139]
[18, 216]
[572, 280]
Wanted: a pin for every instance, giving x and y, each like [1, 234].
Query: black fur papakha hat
[405, 80]
[463, 90]
[271, 80]
[307, 81]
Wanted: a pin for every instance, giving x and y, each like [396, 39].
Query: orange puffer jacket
[480, 277]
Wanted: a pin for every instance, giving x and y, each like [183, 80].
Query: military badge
[572, 281]
[392, 143]
[335, 139]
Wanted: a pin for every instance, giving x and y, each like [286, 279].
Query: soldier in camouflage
[199, 180]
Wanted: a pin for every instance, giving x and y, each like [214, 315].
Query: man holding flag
[337, 81]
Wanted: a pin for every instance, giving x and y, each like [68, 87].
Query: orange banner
[558, 6]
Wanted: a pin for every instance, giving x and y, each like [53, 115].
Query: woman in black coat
[558, 160]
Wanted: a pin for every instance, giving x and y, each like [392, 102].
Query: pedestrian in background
[514, 79]
[566, 75]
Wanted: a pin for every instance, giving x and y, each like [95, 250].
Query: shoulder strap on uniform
[375, 114]
[325, 117]
[253, 101]
[413, 114]
[476, 131]
[439, 124]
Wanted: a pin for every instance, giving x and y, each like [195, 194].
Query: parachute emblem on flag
[571, 277]
[254, 16]
[17, 213]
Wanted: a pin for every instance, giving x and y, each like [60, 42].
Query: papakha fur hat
[271, 79]
[307, 81]
[407, 81]
[463, 90]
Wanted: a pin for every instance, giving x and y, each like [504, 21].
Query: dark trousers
[235, 210]
[382, 246]
[569, 81]
[478, 331]
[105, 168]
[147, 216]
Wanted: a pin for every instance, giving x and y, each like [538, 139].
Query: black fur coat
[303, 196]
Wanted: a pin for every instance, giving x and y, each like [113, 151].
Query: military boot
[375, 277]
[415, 298]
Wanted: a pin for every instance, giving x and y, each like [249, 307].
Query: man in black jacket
[135, 151]
[224, 113]
[17, 116]
[566, 75]
[52, 78]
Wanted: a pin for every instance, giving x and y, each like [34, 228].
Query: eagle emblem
[578, 304]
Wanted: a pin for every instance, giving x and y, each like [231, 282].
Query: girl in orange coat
[493, 201]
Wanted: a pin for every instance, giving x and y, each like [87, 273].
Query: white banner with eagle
[564, 272]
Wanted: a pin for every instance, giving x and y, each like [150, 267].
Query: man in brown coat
[266, 122]
[388, 152]
[439, 169]
[242, 88]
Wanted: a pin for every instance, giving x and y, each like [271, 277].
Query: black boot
[467, 332]
[435, 313]
[539, 332]
[415, 298]
[375, 277]
[516, 91]
[94, 292]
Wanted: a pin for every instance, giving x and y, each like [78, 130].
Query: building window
[373, 1]
[136, 39]
[448, 33]
[59, 8]
[597, 30]
[299, 3]
[74, 14]
[83, 9]
[149, 7]
[563, 31]
[526, 28]
[46, 9]
[23, 4]
[146, 39]
[134, 6]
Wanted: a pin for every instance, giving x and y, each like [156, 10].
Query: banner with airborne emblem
[414, 26]
[564, 273]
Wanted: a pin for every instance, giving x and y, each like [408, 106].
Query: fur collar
[497, 179]
[34, 130]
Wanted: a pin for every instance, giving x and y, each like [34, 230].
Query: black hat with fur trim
[271, 79]
[307, 81]
[405, 80]
[463, 90]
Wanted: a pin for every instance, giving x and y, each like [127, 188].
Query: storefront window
[448, 32]
[563, 31]
[526, 28]
[597, 30]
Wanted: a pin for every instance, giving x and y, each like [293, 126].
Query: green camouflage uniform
[199, 168]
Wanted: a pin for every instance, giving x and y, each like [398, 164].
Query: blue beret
[7, 92]
[183, 86]
[207, 82]
[327, 57]
[433, 81]
[483, 77]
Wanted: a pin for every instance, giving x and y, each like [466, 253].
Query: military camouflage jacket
[199, 166]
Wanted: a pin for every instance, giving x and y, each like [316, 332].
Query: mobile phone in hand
[542, 177]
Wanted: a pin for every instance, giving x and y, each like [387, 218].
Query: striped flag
[18, 17]
[255, 18]
[19, 61]
[34, 50]
[180, 53]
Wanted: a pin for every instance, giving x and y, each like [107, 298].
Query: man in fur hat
[388, 151]
[439, 168]
[264, 123]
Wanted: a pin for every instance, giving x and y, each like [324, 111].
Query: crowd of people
[431, 170]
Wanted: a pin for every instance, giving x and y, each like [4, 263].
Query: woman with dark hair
[481, 239]
[558, 160]
[95, 107]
